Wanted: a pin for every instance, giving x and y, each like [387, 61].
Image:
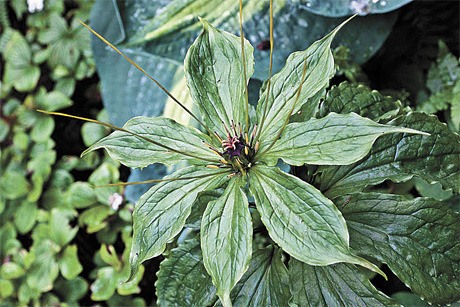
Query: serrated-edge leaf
[348, 97]
[162, 211]
[226, 238]
[182, 278]
[398, 157]
[135, 151]
[214, 69]
[300, 219]
[338, 284]
[265, 283]
[419, 240]
[336, 139]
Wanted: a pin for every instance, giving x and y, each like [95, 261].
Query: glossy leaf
[346, 98]
[283, 99]
[300, 219]
[333, 285]
[265, 283]
[333, 140]
[399, 157]
[182, 278]
[338, 8]
[161, 212]
[214, 72]
[226, 239]
[183, 143]
[419, 240]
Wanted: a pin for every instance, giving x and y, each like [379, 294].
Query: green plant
[306, 224]
[44, 211]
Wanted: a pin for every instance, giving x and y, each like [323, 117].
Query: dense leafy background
[63, 241]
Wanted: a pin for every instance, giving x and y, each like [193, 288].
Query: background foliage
[64, 241]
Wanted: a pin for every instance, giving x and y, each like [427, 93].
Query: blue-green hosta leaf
[282, 102]
[418, 239]
[332, 140]
[338, 284]
[161, 212]
[226, 239]
[300, 219]
[214, 72]
[399, 157]
[338, 8]
[183, 280]
[134, 151]
[347, 98]
[265, 283]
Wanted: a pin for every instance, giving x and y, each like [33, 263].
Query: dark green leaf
[333, 285]
[346, 98]
[226, 239]
[265, 283]
[333, 140]
[71, 290]
[214, 72]
[161, 212]
[182, 143]
[418, 239]
[194, 219]
[399, 157]
[182, 278]
[300, 219]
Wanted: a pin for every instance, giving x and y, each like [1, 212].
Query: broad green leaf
[300, 219]
[226, 239]
[333, 140]
[347, 98]
[69, 265]
[265, 283]
[333, 285]
[214, 71]
[183, 143]
[161, 212]
[418, 239]
[182, 278]
[282, 101]
[399, 157]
